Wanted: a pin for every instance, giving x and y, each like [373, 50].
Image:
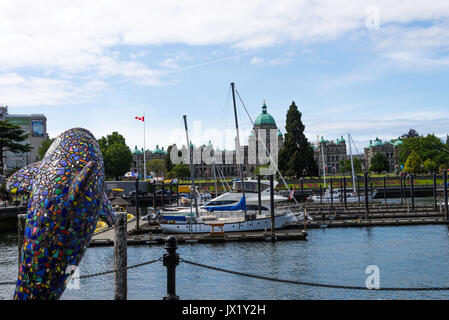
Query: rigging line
[269, 153]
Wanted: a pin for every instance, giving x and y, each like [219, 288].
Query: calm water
[416, 256]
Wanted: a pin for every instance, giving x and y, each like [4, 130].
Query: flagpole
[144, 151]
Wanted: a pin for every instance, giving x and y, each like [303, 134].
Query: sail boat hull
[224, 225]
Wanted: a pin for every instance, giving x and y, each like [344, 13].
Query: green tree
[168, 164]
[117, 156]
[296, 154]
[345, 165]
[12, 138]
[428, 147]
[157, 166]
[44, 147]
[179, 171]
[379, 163]
[414, 163]
[430, 165]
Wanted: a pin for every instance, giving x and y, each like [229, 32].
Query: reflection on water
[409, 256]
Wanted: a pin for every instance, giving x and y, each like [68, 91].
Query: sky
[366, 68]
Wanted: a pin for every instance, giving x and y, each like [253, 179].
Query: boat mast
[192, 174]
[238, 145]
[352, 163]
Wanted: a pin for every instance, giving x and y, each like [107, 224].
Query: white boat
[337, 195]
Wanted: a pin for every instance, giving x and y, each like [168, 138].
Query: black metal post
[341, 191]
[385, 191]
[259, 195]
[120, 258]
[162, 194]
[170, 196]
[400, 188]
[366, 196]
[344, 193]
[435, 191]
[154, 194]
[171, 261]
[412, 191]
[332, 195]
[177, 194]
[321, 194]
[445, 194]
[358, 188]
[272, 206]
[137, 204]
[302, 189]
[21, 219]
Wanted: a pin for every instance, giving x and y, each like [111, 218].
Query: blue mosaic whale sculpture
[66, 201]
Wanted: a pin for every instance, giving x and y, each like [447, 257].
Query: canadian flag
[139, 118]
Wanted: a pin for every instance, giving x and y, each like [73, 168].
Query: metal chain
[100, 273]
[311, 284]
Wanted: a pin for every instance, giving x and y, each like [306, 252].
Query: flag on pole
[140, 118]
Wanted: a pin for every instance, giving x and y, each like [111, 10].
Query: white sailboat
[233, 211]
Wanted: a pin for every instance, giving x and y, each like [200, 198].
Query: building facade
[333, 151]
[228, 158]
[390, 149]
[35, 125]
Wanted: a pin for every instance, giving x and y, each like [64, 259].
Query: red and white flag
[140, 118]
[291, 194]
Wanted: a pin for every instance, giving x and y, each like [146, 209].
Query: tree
[412, 133]
[430, 165]
[117, 156]
[345, 165]
[179, 171]
[44, 147]
[296, 154]
[157, 166]
[428, 147]
[379, 163]
[12, 139]
[414, 163]
[168, 164]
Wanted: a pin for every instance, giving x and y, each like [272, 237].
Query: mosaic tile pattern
[66, 200]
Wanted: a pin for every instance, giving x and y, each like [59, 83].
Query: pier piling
[445, 194]
[366, 196]
[272, 206]
[137, 204]
[435, 191]
[171, 261]
[412, 191]
[120, 258]
[344, 193]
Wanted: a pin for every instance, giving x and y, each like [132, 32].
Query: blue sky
[369, 68]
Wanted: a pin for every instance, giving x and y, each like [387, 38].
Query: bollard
[344, 193]
[412, 191]
[445, 194]
[21, 219]
[171, 260]
[120, 258]
[272, 207]
[366, 196]
[434, 191]
[137, 204]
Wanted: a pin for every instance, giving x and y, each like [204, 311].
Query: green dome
[377, 143]
[279, 133]
[342, 140]
[157, 150]
[322, 140]
[370, 144]
[264, 117]
[398, 143]
[136, 151]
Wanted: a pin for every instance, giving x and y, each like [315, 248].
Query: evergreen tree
[379, 163]
[168, 164]
[12, 139]
[414, 163]
[296, 155]
[117, 156]
[179, 171]
[412, 133]
[44, 147]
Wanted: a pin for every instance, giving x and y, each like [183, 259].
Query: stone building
[390, 149]
[138, 157]
[334, 152]
[228, 165]
[35, 125]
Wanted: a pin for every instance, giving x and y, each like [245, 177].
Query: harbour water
[409, 256]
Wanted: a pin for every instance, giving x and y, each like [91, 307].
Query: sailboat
[335, 194]
[228, 218]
